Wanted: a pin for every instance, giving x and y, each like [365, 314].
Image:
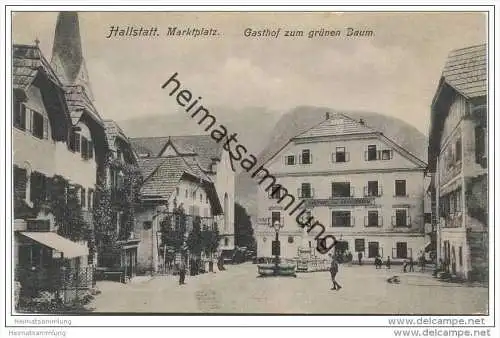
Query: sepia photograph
[174, 163]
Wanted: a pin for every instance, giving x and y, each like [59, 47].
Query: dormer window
[80, 142]
[74, 141]
[305, 157]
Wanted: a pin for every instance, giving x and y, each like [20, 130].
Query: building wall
[225, 185]
[322, 172]
[454, 218]
[149, 217]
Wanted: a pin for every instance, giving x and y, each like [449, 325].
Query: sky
[394, 72]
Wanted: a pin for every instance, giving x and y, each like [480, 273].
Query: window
[84, 148]
[400, 187]
[90, 150]
[201, 197]
[83, 197]
[401, 250]
[177, 191]
[19, 118]
[226, 241]
[147, 225]
[371, 153]
[194, 195]
[340, 155]
[373, 249]
[372, 220]
[290, 160]
[305, 191]
[186, 194]
[342, 189]
[386, 154]
[206, 199]
[372, 189]
[38, 187]
[90, 199]
[37, 124]
[359, 245]
[480, 144]
[458, 150]
[74, 141]
[20, 182]
[428, 217]
[275, 192]
[275, 217]
[400, 220]
[290, 239]
[341, 219]
[460, 256]
[306, 156]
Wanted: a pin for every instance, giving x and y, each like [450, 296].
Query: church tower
[67, 56]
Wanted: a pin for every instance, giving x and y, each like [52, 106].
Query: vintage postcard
[240, 163]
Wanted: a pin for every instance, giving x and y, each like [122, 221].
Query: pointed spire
[67, 49]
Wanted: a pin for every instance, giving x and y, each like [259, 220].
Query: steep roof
[27, 61]
[202, 145]
[465, 70]
[336, 125]
[162, 176]
[113, 131]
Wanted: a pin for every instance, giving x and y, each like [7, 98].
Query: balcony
[339, 201]
[343, 221]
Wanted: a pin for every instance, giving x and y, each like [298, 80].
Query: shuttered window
[20, 182]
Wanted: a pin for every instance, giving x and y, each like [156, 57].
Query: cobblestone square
[239, 290]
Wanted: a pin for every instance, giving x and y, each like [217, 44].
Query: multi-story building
[213, 162]
[171, 181]
[121, 182]
[458, 157]
[363, 187]
[58, 147]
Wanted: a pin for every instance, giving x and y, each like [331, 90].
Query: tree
[105, 229]
[243, 228]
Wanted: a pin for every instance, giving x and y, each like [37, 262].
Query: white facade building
[364, 188]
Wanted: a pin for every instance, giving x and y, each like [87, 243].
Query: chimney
[327, 116]
[361, 121]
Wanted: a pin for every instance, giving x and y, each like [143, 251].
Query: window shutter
[299, 192]
[347, 158]
[310, 158]
[77, 142]
[285, 160]
[45, 128]
[29, 127]
[90, 149]
[352, 192]
[312, 192]
[366, 155]
[334, 157]
[300, 159]
[353, 220]
[391, 154]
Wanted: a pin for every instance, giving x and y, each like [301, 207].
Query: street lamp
[276, 245]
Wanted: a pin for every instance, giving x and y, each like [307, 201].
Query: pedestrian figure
[405, 264]
[378, 262]
[360, 255]
[349, 258]
[334, 269]
[422, 263]
[388, 262]
[411, 264]
[182, 272]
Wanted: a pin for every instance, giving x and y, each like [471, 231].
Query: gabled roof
[202, 145]
[465, 70]
[114, 131]
[27, 61]
[336, 125]
[162, 176]
[79, 102]
[340, 124]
